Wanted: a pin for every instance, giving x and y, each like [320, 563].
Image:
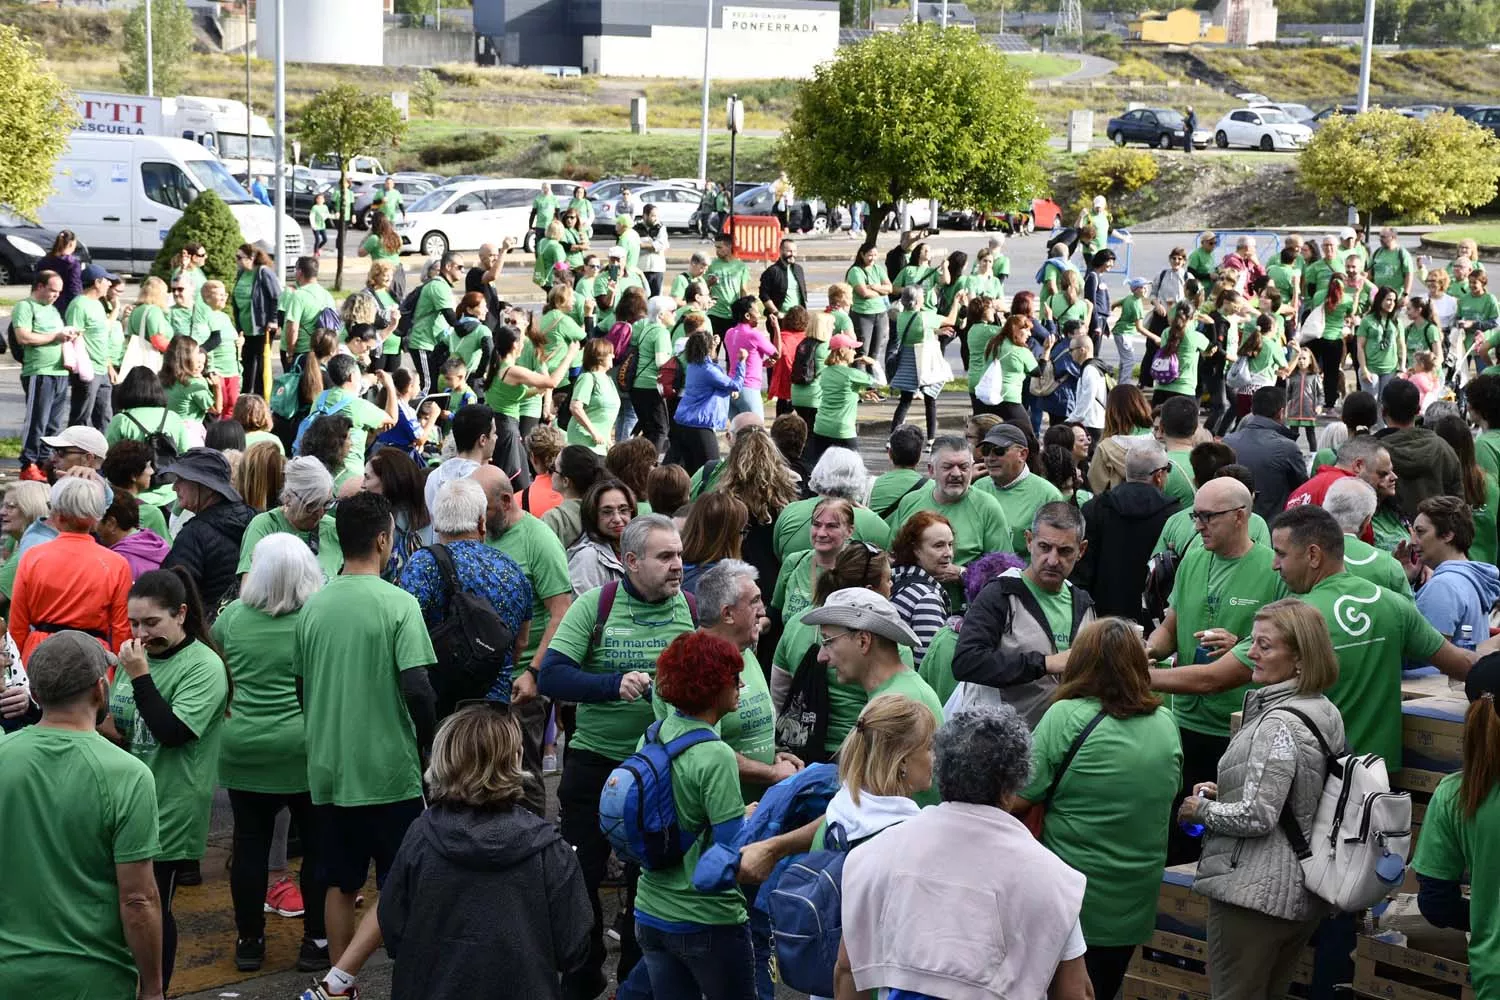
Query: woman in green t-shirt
[1423, 332]
[190, 394]
[224, 355]
[1068, 304]
[575, 239]
[167, 707]
[917, 328]
[923, 275]
[841, 385]
[1108, 810]
[982, 332]
[831, 527]
[147, 329]
[384, 243]
[1011, 352]
[514, 380]
[550, 252]
[595, 402]
[1379, 345]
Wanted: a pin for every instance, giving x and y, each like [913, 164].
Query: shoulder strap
[689, 740]
[1067, 760]
[444, 560]
[161, 427]
[1286, 820]
[607, 595]
[1322, 743]
[131, 417]
[888, 511]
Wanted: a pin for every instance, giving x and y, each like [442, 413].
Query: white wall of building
[754, 43]
[350, 32]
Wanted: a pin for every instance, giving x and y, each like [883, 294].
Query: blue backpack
[806, 916]
[320, 408]
[637, 812]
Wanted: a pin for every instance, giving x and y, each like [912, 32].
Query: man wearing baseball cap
[79, 817]
[1018, 490]
[860, 635]
[79, 446]
[90, 400]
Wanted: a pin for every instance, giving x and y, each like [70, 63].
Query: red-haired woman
[694, 943]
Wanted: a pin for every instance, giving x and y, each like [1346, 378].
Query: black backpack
[17, 349]
[1161, 572]
[408, 312]
[163, 448]
[470, 643]
[802, 725]
[805, 362]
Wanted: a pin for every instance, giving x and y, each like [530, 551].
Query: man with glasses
[1216, 592]
[1092, 393]
[1013, 485]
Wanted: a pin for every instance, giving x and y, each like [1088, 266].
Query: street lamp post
[736, 123]
[280, 138]
[1362, 102]
[708, 34]
[150, 74]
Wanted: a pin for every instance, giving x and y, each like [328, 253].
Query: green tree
[426, 92]
[417, 8]
[345, 122]
[1383, 162]
[171, 45]
[918, 113]
[206, 220]
[35, 118]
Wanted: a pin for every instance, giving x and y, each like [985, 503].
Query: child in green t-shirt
[190, 394]
[456, 374]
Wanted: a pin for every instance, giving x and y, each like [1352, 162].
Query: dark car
[301, 187]
[22, 244]
[1487, 116]
[1160, 127]
[807, 215]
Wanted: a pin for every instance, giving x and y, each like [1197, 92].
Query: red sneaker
[32, 473]
[284, 899]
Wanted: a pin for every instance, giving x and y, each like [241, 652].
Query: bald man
[537, 550]
[1215, 595]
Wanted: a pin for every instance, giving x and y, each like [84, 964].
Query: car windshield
[1275, 116]
[232, 146]
[11, 220]
[754, 196]
[1170, 119]
[212, 175]
[1299, 112]
[430, 202]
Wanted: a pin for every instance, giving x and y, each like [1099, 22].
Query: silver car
[676, 204]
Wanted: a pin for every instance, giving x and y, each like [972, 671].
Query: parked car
[411, 189]
[605, 197]
[1260, 128]
[1422, 112]
[361, 168]
[1253, 98]
[467, 215]
[1466, 110]
[1319, 119]
[301, 187]
[1297, 112]
[1487, 117]
[806, 215]
[22, 244]
[1162, 127]
[1019, 222]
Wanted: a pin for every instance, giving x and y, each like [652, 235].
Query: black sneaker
[249, 954]
[311, 958]
[189, 873]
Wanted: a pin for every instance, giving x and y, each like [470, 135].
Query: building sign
[117, 114]
[772, 21]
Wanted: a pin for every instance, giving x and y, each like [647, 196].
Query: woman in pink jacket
[745, 335]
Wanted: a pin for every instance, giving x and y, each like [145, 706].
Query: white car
[675, 206]
[466, 216]
[1300, 113]
[361, 168]
[1260, 128]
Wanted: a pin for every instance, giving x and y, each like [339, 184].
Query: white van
[121, 195]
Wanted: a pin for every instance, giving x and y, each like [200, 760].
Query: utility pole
[280, 138]
[1070, 20]
[150, 75]
[708, 35]
[1362, 102]
[248, 111]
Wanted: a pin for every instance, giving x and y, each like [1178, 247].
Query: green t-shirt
[1484, 548]
[1487, 452]
[839, 411]
[1058, 608]
[190, 400]
[1016, 363]
[886, 492]
[936, 667]
[680, 285]
[1389, 529]
[595, 391]
[241, 296]
[253, 438]
[1132, 311]
[632, 639]
[1201, 263]
[794, 527]
[1179, 534]
[1213, 592]
[196, 687]
[845, 701]
[979, 522]
[1422, 336]
[224, 359]
[428, 324]
[867, 305]
[190, 321]
[1373, 632]
[389, 202]
[1283, 276]
[545, 207]
[274, 522]
[317, 217]
[1381, 341]
[909, 684]
[1063, 310]
[1111, 813]
[44, 359]
[365, 416]
[152, 519]
[749, 730]
[1315, 279]
[980, 335]
[549, 253]
[73, 805]
[1453, 844]
[794, 585]
[1375, 565]
[1020, 501]
[540, 554]
[992, 284]
[361, 743]
[1389, 268]
[375, 249]
[264, 747]
[810, 395]
[86, 313]
[650, 341]
[729, 284]
[1189, 350]
[706, 792]
[304, 307]
[145, 321]
[923, 276]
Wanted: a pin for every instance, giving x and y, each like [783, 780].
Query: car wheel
[1221, 140]
[528, 242]
[434, 245]
[1118, 138]
[7, 273]
[1266, 145]
[367, 220]
[1164, 141]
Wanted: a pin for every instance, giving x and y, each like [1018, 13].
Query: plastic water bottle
[1193, 829]
[1465, 641]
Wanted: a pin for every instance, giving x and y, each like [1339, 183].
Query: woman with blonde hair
[477, 860]
[831, 527]
[550, 253]
[807, 396]
[259, 475]
[148, 331]
[384, 244]
[387, 311]
[885, 760]
[755, 474]
[1260, 914]
[1107, 810]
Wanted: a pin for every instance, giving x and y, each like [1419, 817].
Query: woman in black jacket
[254, 297]
[482, 892]
[208, 545]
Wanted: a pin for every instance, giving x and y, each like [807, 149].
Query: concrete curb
[1435, 241]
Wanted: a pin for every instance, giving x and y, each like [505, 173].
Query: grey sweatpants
[1251, 955]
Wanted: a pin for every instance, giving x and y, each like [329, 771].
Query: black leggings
[1013, 411]
[166, 887]
[1106, 966]
[929, 406]
[254, 824]
[818, 443]
[253, 363]
[1331, 359]
[1211, 381]
[694, 446]
[650, 416]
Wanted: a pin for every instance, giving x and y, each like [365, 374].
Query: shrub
[426, 91]
[207, 220]
[1113, 172]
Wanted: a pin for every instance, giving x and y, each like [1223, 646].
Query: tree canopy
[344, 122]
[206, 220]
[1381, 161]
[35, 118]
[922, 112]
[171, 45]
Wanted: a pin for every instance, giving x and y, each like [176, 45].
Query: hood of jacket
[1413, 447]
[144, 544]
[487, 839]
[1137, 501]
[873, 813]
[1483, 576]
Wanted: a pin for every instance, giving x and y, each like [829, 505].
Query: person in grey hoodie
[482, 892]
[1452, 591]
[1260, 914]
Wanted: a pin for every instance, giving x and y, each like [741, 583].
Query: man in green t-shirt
[38, 327]
[1391, 265]
[979, 522]
[543, 210]
[603, 659]
[368, 704]
[303, 307]
[91, 400]
[388, 201]
[904, 449]
[728, 279]
[79, 817]
[1017, 489]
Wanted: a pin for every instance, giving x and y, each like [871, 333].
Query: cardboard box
[1425, 682]
[1180, 910]
[1432, 734]
[1392, 971]
[1416, 780]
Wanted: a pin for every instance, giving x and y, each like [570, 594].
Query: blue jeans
[625, 419]
[46, 414]
[748, 401]
[715, 962]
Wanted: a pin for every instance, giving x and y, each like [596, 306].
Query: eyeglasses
[824, 641]
[1205, 516]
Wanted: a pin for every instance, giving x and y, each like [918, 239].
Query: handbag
[1239, 378]
[1312, 327]
[140, 354]
[802, 723]
[1037, 814]
[932, 367]
[990, 389]
[75, 358]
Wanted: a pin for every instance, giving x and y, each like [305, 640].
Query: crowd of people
[456, 545]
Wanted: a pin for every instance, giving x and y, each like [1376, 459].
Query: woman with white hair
[306, 495]
[25, 503]
[840, 472]
[263, 754]
[916, 331]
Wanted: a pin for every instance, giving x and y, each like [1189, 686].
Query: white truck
[220, 125]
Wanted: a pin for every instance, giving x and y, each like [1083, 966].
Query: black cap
[1484, 678]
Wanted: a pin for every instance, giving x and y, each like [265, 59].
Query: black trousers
[427, 376]
[166, 887]
[583, 777]
[929, 409]
[1211, 382]
[510, 455]
[254, 824]
[808, 415]
[693, 446]
[650, 416]
[533, 717]
[1200, 762]
[253, 363]
[1106, 967]
[1330, 355]
[817, 444]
